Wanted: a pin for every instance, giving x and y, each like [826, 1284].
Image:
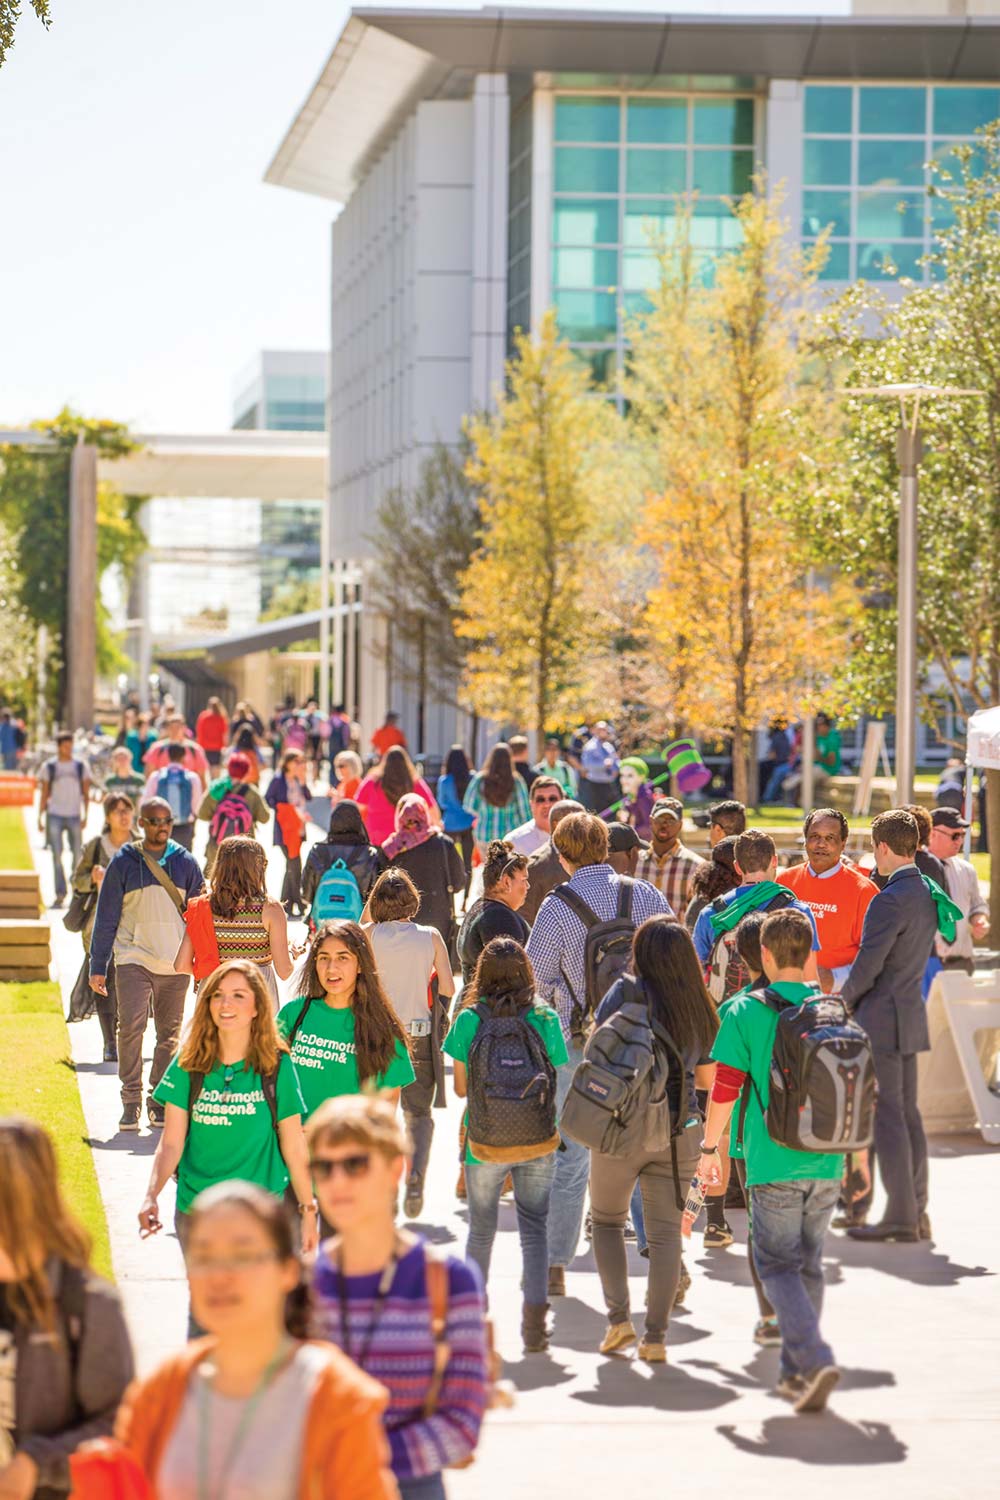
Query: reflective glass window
[892, 111]
[601, 365]
[657, 122]
[891, 163]
[723, 122]
[646, 221]
[820, 209]
[875, 261]
[640, 273]
[960, 111]
[586, 317]
[583, 170]
[715, 227]
[838, 264]
[828, 110]
[889, 215]
[579, 222]
[594, 119]
[656, 172]
[722, 171]
[584, 268]
[827, 163]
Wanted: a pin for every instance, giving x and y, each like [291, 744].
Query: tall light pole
[909, 449]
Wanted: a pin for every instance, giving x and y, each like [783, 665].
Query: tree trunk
[993, 834]
[741, 768]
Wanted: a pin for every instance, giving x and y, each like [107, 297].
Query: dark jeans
[900, 1143]
[597, 795]
[467, 844]
[790, 1220]
[291, 886]
[139, 991]
[417, 1098]
[532, 1187]
[426, 1487]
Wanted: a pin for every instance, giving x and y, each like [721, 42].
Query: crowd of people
[625, 1019]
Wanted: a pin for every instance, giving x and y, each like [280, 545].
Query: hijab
[347, 824]
[413, 826]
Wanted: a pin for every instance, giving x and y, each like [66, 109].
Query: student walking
[506, 1046]
[97, 854]
[716, 877]
[123, 776]
[346, 844]
[65, 1354]
[450, 791]
[63, 793]
[139, 922]
[232, 1105]
[497, 798]
[669, 991]
[211, 731]
[254, 1408]
[231, 807]
[505, 885]
[411, 1317]
[385, 784]
[288, 795]
[415, 970]
[432, 862]
[181, 789]
[139, 741]
[342, 1029]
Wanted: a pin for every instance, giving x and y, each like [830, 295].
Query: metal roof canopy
[385, 60]
[264, 637]
[256, 465]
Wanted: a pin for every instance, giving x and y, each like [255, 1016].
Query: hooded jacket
[136, 920]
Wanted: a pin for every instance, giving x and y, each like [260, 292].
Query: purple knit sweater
[400, 1355]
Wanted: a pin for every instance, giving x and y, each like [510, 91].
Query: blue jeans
[638, 1218]
[425, 1487]
[774, 783]
[55, 827]
[569, 1190]
[532, 1188]
[790, 1221]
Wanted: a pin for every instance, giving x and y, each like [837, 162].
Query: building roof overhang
[252, 465]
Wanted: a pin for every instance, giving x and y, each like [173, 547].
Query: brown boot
[534, 1333]
[460, 1192]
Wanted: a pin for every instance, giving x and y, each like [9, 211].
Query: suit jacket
[545, 872]
[883, 989]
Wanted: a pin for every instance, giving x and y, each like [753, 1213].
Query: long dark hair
[503, 972]
[457, 767]
[665, 961]
[498, 776]
[713, 879]
[347, 825]
[273, 1217]
[396, 774]
[376, 1026]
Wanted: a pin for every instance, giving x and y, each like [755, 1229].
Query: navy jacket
[883, 989]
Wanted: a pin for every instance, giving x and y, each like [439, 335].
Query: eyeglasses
[325, 1167]
[956, 837]
[230, 1265]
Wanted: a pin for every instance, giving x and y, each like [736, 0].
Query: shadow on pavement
[143, 1144]
[949, 1147]
[823, 1439]
[762, 1371]
[581, 1328]
[537, 1374]
[629, 1382]
[434, 1234]
[917, 1263]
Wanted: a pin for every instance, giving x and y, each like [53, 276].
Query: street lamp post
[909, 450]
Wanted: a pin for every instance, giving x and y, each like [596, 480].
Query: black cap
[948, 817]
[622, 837]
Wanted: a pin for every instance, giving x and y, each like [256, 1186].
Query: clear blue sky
[143, 261]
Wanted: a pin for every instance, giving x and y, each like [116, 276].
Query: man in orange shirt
[389, 734]
[837, 894]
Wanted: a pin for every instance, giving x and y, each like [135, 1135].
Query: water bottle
[693, 1206]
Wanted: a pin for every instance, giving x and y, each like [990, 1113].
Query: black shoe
[413, 1203]
[131, 1115]
[57, 903]
[156, 1114]
[884, 1233]
[924, 1227]
[717, 1236]
[111, 1054]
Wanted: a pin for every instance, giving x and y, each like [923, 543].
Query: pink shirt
[156, 758]
[379, 813]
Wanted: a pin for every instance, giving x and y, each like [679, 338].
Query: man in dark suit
[883, 991]
[545, 868]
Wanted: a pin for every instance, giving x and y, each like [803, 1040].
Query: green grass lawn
[15, 852]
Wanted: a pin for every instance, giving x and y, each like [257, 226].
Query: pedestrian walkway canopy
[256, 465]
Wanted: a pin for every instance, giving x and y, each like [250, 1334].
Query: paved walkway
[915, 1329]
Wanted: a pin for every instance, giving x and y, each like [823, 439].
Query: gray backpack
[607, 948]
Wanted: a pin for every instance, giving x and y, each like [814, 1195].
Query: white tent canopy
[983, 742]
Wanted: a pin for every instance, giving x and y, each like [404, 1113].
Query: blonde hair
[358, 1120]
[199, 1051]
[582, 839]
[34, 1220]
[347, 758]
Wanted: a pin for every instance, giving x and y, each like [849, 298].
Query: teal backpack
[337, 898]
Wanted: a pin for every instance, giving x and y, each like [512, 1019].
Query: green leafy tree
[10, 14]
[17, 631]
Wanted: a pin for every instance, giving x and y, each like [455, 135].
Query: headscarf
[347, 824]
[413, 826]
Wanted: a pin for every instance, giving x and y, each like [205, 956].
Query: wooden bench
[25, 948]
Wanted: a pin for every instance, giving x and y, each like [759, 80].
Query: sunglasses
[157, 822]
[324, 1167]
[547, 801]
[956, 837]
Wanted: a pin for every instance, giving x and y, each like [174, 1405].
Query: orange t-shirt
[838, 902]
[383, 739]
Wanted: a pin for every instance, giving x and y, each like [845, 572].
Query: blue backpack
[337, 898]
[175, 788]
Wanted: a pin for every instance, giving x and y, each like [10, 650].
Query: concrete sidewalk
[914, 1328]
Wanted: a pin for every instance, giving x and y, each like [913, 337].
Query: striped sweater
[400, 1355]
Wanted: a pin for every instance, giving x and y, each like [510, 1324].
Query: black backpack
[607, 951]
[293, 1033]
[821, 1080]
[619, 1102]
[268, 1083]
[511, 1086]
[727, 972]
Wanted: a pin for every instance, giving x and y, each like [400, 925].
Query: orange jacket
[345, 1455]
[201, 931]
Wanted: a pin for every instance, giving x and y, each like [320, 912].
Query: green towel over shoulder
[948, 914]
[752, 900]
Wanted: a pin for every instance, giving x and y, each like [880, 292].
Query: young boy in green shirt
[792, 1193]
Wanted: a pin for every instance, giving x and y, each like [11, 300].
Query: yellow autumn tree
[731, 424]
[544, 467]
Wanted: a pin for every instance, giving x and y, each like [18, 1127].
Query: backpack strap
[196, 1082]
[160, 875]
[436, 1276]
[269, 1084]
[626, 888]
[290, 1038]
[72, 1304]
[576, 904]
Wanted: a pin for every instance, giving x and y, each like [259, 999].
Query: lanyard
[205, 1488]
[384, 1286]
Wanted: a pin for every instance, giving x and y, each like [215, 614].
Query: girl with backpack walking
[232, 1105]
[432, 862]
[415, 968]
[382, 788]
[506, 1046]
[497, 797]
[288, 794]
[346, 843]
[65, 1355]
[411, 1317]
[232, 806]
[237, 919]
[451, 788]
[342, 1029]
[258, 1408]
[669, 988]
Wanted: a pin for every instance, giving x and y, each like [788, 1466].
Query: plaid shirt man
[671, 873]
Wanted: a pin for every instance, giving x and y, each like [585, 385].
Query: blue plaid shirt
[556, 944]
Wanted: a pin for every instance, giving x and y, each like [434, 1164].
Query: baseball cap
[622, 837]
[948, 817]
[667, 805]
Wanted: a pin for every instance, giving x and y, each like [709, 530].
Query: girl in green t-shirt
[229, 1131]
[342, 1029]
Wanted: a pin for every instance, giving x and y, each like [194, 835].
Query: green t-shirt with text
[542, 1017]
[746, 1041]
[324, 1054]
[231, 1134]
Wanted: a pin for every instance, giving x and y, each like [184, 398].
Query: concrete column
[782, 147]
[542, 136]
[80, 644]
[491, 125]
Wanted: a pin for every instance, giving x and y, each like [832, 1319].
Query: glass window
[647, 221]
[820, 209]
[657, 122]
[723, 122]
[827, 163]
[828, 110]
[714, 227]
[945, 153]
[722, 171]
[577, 222]
[586, 317]
[838, 264]
[600, 365]
[893, 111]
[637, 304]
[656, 171]
[587, 119]
[875, 261]
[891, 163]
[959, 111]
[640, 273]
[888, 216]
[584, 268]
[582, 169]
